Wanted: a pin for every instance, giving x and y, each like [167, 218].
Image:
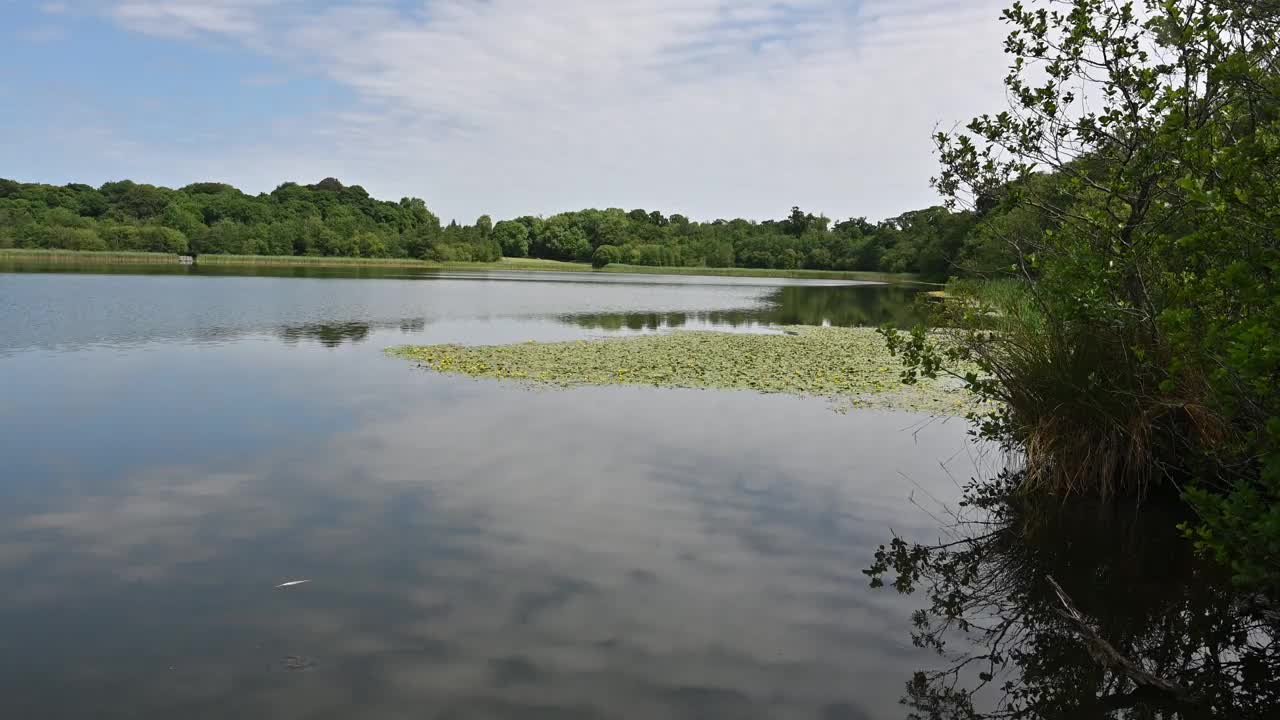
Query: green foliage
[155, 238]
[1131, 187]
[604, 255]
[927, 241]
[325, 219]
[330, 219]
[562, 238]
[512, 237]
[471, 243]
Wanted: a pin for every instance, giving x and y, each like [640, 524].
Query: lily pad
[851, 366]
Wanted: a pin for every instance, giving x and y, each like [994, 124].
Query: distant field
[503, 264]
[526, 264]
[763, 272]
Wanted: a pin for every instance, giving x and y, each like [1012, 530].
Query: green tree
[156, 238]
[512, 237]
[611, 228]
[604, 255]
[182, 217]
[370, 244]
[227, 237]
[562, 239]
[1137, 351]
[329, 218]
[143, 201]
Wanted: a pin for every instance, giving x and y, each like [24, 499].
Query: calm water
[176, 445]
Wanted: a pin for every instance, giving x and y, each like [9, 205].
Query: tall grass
[527, 263]
[1079, 399]
[312, 260]
[83, 256]
[761, 272]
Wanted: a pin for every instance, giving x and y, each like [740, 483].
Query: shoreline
[94, 257]
[25, 255]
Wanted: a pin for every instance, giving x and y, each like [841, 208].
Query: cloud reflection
[600, 552]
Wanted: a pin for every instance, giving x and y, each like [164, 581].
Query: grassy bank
[311, 261]
[762, 272]
[532, 264]
[325, 261]
[851, 366]
[73, 256]
[507, 263]
[512, 263]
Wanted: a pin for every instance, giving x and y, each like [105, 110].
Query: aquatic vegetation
[849, 365]
[65, 256]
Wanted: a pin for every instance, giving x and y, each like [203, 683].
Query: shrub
[1139, 351]
[604, 255]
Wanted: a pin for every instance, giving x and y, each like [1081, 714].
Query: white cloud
[707, 107]
[185, 18]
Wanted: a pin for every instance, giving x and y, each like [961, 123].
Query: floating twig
[291, 583]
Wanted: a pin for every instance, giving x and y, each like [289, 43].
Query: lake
[178, 444]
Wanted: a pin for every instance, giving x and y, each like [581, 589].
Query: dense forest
[332, 219]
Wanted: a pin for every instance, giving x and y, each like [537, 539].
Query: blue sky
[711, 108]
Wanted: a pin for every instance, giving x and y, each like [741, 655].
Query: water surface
[178, 444]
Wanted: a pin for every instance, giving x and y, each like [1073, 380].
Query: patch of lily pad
[850, 366]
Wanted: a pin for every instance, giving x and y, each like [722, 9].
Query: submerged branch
[1106, 654]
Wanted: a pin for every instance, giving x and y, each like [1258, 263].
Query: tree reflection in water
[868, 305]
[333, 334]
[1008, 650]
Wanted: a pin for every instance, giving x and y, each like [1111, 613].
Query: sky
[708, 108]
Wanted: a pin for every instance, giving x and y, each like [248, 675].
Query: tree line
[325, 219]
[332, 219]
